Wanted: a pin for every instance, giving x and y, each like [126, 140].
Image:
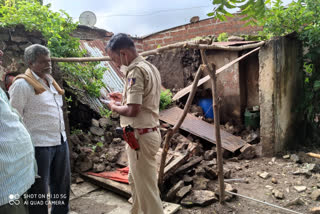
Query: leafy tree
[252, 10]
[56, 28]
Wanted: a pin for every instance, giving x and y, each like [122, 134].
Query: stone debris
[200, 183]
[96, 131]
[79, 180]
[187, 180]
[304, 172]
[295, 158]
[269, 187]
[300, 188]
[226, 173]
[286, 156]
[99, 167]
[315, 195]
[86, 165]
[105, 122]
[95, 123]
[199, 198]
[183, 192]
[247, 152]
[173, 191]
[264, 175]
[210, 173]
[297, 201]
[278, 194]
[209, 155]
[228, 196]
[274, 180]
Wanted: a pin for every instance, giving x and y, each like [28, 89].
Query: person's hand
[112, 104]
[116, 96]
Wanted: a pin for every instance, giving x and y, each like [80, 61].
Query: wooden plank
[116, 187]
[179, 161]
[201, 129]
[187, 89]
[124, 189]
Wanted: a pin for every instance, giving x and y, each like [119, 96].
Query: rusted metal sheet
[201, 129]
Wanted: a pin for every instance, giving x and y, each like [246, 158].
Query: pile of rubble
[100, 149]
[195, 182]
[192, 181]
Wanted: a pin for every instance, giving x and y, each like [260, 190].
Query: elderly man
[140, 110]
[17, 163]
[38, 98]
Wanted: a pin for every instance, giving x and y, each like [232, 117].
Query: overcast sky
[136, 17]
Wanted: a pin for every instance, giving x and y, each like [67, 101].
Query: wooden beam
[114, 186]
[187, 89]
[179, 161]
[190, 45]
[212, 73]
[176, 127]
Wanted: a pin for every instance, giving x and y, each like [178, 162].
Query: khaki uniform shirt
[143, 86]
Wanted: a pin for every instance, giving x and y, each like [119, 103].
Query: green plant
[76, 131]
[250, 10]
[105, 112]
[100, 144]
[223, 37]
[56, 28]
[165, 99]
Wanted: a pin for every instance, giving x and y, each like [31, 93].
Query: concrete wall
[280, 90]
[228, 84]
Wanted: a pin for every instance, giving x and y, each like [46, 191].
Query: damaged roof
[112, 78]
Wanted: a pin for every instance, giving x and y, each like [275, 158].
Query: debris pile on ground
[100, 149]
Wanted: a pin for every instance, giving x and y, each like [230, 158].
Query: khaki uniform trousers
[143, 174]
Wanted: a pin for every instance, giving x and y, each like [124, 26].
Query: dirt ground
[280, 170]
[261, 189]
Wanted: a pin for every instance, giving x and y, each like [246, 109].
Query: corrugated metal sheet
[112, 77]
[201, 129]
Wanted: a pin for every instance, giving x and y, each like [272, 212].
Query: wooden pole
[171, 132]
[191, 45]
[213, 77]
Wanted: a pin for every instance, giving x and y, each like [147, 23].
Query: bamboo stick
[171, 132]
[191, 45]
[213, 77]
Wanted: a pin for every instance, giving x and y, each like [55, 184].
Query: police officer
[138, 107]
